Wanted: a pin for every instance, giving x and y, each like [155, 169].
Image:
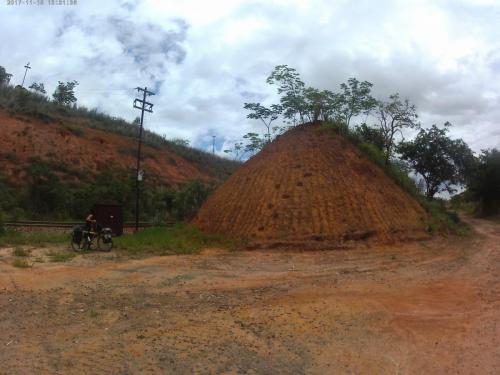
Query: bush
[21, 263]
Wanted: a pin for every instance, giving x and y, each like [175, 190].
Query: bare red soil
[311, 188]
[82, 148]
[428, 307]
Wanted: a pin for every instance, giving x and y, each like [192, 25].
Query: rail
[69, 224]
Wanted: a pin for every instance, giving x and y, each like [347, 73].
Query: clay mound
[311, 187]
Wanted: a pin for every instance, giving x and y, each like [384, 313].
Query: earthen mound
[312, 188]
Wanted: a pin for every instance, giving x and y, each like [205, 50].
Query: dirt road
[423, 308]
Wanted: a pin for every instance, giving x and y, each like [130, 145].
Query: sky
[205, 59]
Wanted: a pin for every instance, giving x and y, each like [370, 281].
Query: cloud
[205, 59]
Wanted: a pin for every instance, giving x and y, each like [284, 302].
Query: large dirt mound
[311, 187]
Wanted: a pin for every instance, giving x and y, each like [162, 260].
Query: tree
[355, 99]
[394, 116]
[291, 89]
[238, 150]
[4, 76]
[320, 104]
[38, 87]
[266, 115]
[255, 143]
[65, 93]
[442, 162]
[484, 183]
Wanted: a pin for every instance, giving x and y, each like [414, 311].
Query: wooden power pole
[27, 66]
[144, 106]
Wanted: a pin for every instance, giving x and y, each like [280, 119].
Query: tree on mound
[310, 187]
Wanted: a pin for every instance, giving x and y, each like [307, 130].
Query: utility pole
[213, 144]
[144, 106]
[27, 66]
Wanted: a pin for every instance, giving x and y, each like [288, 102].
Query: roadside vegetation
[41, 239]
[179, 239]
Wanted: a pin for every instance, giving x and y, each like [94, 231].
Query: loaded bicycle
[96, 238]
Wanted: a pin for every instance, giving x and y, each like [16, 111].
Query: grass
[21, 263]
[179, 239]
[61, 256]
[15, 238]
[20, 252]
[442, 221]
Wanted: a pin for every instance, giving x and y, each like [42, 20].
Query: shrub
[21, 263]
[20, 252]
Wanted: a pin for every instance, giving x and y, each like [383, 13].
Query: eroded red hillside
[82, 148]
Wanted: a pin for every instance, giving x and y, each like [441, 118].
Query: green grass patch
[178, 239]
[61, 256]
[20, 252]
[443, 221]
[14, 238]
[21, 263]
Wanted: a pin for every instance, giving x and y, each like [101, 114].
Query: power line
[144, 106]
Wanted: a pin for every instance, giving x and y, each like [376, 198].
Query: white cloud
[205, 59]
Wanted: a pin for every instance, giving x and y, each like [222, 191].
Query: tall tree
[355, 99]
[442, 162]
[65, 93]
[291, 89]
[265, 114]
[394, 116]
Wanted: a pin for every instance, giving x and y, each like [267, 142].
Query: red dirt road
[423, 308]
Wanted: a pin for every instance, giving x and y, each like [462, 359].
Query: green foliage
[61, 256]
[266, 115]
[355, 99]
[64, 93]
[443, 221]
[21, 263]
[290, 87]
[38, 87]
[15, 238]
[20, 252]
[367, 134]
[484, 182]
[179, 239]
[255, 143]
[442, 162]
[183, 204]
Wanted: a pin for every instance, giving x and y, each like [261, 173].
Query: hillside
[56, 161]
[313, 187]
[71, 146]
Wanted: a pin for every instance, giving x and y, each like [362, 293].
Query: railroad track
[67, 224]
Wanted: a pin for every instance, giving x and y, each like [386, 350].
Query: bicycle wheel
[78, 246]
[104, 246]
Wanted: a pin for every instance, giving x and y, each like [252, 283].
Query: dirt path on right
[428, 307]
